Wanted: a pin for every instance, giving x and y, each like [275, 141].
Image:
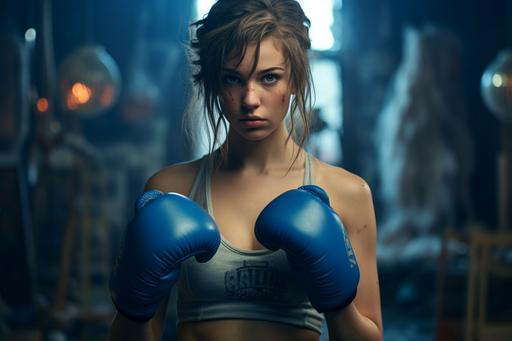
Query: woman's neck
[273, 152]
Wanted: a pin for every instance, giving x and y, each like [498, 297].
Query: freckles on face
[262, 90]
[285, 102]
[227, 98]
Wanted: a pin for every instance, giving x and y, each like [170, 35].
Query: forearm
[350, 324]
[124, 329]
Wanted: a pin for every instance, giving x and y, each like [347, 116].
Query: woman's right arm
[178, 179]
[125, 329]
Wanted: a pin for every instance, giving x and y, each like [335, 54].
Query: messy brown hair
[228, 28]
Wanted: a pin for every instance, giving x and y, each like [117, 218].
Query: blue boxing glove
[166, 230]
[302, 223]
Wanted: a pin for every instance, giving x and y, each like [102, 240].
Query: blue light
[320, 14]
[202, 7]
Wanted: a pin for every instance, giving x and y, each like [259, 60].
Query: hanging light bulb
[496, 86]
[89, 81]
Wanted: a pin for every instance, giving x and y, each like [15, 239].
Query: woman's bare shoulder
[350, 194]
[341, 183]
[175, 178]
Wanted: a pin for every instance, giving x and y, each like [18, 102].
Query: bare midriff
[248, 330]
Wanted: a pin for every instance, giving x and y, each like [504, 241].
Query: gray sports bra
[242, 284]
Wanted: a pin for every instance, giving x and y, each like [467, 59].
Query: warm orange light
[81, 92]
[42, 105]
[107, 96]
[72, 101]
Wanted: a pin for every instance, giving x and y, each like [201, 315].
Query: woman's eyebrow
[225, 69]
[274, 68]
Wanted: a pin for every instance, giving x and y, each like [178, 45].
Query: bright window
[320, 12]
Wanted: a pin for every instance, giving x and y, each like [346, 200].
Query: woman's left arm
[361, 319]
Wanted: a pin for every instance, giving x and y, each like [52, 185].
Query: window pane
[325, 142]
[319, 12]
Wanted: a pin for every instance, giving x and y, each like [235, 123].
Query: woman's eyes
[232, 80]
[270, 78]
[266, 79]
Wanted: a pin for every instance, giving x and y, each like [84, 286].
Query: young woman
[272, 260]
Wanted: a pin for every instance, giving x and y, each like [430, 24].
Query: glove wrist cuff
[340, 306]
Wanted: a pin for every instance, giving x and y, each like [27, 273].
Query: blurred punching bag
[89, 81]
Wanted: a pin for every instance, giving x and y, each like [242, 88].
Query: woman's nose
[251, 99]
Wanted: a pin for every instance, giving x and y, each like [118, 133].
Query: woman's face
[256, 103]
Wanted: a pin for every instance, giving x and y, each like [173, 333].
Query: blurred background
[414, 96]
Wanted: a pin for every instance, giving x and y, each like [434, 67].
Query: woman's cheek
[227, 100]
[231, 97]
[285, 100]
[226, 96]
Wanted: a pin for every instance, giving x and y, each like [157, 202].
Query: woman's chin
[254, 134]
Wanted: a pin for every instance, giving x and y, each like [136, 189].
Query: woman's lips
[253, 122]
